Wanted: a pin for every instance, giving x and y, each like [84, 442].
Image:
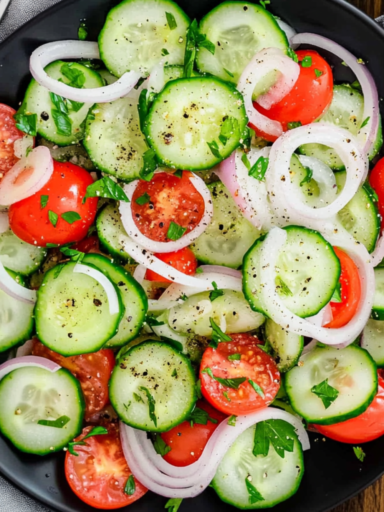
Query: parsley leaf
[44, 201]
[229, 73]
[254, 495]
[205, 43]
[106, 187]
[264, 3]
[306, 62]
[96, 431]
[53, 218]
[257, 388]
[82, 32]
[161, 446]
[70, 217]
[214, 147]
[73, 254]
[138, 398]
[58, 269]
[259, 169]
[359, 453]
[232, 420]
[226, 396]
[365, 122]
[175, 232]
[178, 173]
[171, 20]
[26, 123]
[149, 165]
[231, 383]
[173, 504]
[325, 392]
[144, 199]
[234, 357]
[292, 54]
[336, 297]
[208, 371]
[294, 124]
[217, 334]
[195, 41]
[228, 128]
[216, 293]
[164, 52]
[59, 423]
[59, 103]
[356, 85]
[143, 107]
[308, 176]
[152, 321]
[318, 73]
[75, 76]
[62, 122]
[245, 161]
[200, 417]
[151, 404]
[75, 106]
[278, 433]
[130, 486]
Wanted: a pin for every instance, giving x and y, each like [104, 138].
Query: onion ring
[14, 289]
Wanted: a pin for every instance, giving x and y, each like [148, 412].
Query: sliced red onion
[218, 269]
[165, 247]
[21, 146]
[139, 273]
[4, 222]
[378, 254]
[14, 289]
[265, 61]
[367, 135]
[227, 174]
[279, 313]
[27, 177]
[25, 350]
[323, 317]
[63, 50]
[22, 362]
[311, 346]
[114, 306]
[285, 196]
[174, 482]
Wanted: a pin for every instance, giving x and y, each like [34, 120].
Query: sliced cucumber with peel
[229, 235]
[153, 373]
[31, 394]
[372, 340]
[378, 299]
[275, 478]
[109, 230]
[17, 255]
[308, 272]
[287, 346]
[351, 371]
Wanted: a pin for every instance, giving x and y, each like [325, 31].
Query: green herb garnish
[326, 393]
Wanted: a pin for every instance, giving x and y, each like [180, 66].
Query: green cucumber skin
[105, 243]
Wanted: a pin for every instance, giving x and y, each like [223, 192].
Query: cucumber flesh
[31, 394]
[378, 299]
[109, 230]
[373, 341]
[17, 255]
[229, 235]
[287, 346]
[274, 477]
[351, 371]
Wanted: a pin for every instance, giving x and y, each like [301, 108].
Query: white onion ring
[15, 290]
[284, 195]
[165, 247]
[39, 163]
[367, 135]
[227, 174]
[218, 269]
[173, 482]
[323, 317]
[311, 346]
[63, 50]
[378, 254]
[279, 313]
[324, 177]
[22, 362]
[114, 306]
[139, 273]
[270, 59]
[289, 31]
[21, 146]
[25, 349]
[4, 222]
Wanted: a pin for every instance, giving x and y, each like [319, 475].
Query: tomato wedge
[376, 179]
[8, 135]
[168, 199]
[99, 473]
[254, 365]
[344, 311]
[183, 261]
[366, 427]
[92, 370]
[309, 98]
[187, 442]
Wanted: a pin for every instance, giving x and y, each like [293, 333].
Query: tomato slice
[309, 98]
[170, 199]
[183, 261]
[376, 180]
[99, 473]
[344, 311]
[8, 135]
[254, 364]
[31, 222]
[187, 442]
[89, 244]
[92, 370]
[366, 427]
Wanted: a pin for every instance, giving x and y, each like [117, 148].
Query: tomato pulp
[8, 135]
[183, 261]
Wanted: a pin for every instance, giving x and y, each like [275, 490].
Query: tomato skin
[255, 364]
[364, 428]
[8, 135]
[171, 199]
[309, 98]
[183, 260]
[344, 311]
[92, 370]
[66, 189]
[89, 244]
[376, 179]
[187, 443]
[99, 473]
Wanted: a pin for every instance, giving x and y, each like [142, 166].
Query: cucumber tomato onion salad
[190, 241]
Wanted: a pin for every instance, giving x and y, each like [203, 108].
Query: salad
[191, 267]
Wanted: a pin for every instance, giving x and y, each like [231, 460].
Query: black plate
[332, 472]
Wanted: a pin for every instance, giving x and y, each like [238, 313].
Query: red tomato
[366, 427]
[171, 199]
[309, 98]
[255, 365]
[376, 180]
[65, 190]
[90, 244]
[92, 370]
[183, 260]
[8, 135]
[344, 311]
[187, 443]
[99, 473]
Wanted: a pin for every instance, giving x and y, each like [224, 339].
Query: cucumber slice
[238, 30]
[188, 115]
[345, 111]
[229, 235]
[360, 217]
[230, 311]
[16, 318]
[287, 346]
[72, 313]
[168, 377]
[17, 255]
[378, 299]
[136, 32]
[31, 394]
[37, 101]
[109, 230]
[373, 341]
[274, 477]
[308, 272]
[132, 295]
[174, 72]
[351, 371]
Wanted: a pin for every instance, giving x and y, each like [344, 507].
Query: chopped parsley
[175, 232]
[326, 393]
